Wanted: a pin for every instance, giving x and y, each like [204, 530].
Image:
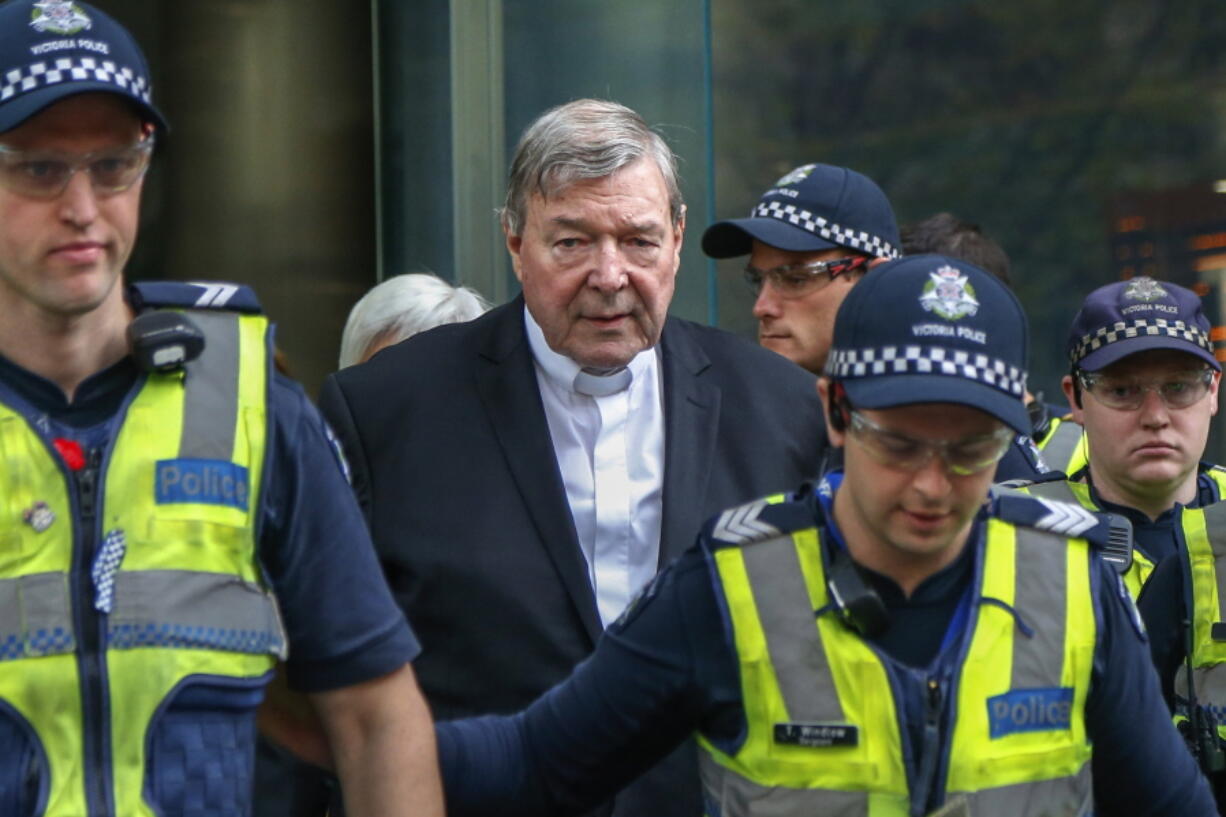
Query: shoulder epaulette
[1029, 450]
[194, 295]
[1026, 482]
[1109, 534]
[1011, 485]
[763, 519]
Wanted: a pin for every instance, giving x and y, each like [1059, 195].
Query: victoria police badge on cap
[59, 17]
[817, 735]
[949, 294]
[795, 176]
[1144, 289]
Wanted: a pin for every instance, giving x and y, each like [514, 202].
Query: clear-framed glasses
[968, 455]
[42, 174]
[798, 280]
[1178, 390]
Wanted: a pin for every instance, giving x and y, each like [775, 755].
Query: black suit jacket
[454, 466]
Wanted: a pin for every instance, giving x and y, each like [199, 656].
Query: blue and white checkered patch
[810, 222]
[106, 564]
[43, 73]
[55, 641]
[894, 360]
[192, 637]
[1142, 327]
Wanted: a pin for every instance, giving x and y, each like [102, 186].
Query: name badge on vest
[205, 482]
[817, 735]
[1030, 710]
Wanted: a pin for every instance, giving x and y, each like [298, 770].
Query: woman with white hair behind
[399, 308]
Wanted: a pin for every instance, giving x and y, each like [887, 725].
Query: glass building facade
[319, 146]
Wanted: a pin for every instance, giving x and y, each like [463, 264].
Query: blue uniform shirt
[342, 625]
[668, 668]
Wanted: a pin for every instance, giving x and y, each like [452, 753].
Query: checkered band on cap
[897, 360]
[45, 73]
[817, 225]
[1140, 328]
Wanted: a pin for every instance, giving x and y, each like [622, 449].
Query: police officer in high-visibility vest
[885, 643]
[173, 520]
[1143, 384]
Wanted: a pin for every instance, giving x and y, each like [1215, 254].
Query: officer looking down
[884, 642]
[1055, 442]
[173, 518]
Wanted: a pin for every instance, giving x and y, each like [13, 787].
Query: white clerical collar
[561, 370]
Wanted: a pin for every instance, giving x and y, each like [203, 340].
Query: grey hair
[402, 306]
[584, 139]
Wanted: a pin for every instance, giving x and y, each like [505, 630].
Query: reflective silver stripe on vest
[1211, 681]
[190, 610]
[1059, 446]
[1041, 586]
[210, 409]
[786, 611]
[1215, 528]
[739, 797]
[1061, 797]
[35, 616]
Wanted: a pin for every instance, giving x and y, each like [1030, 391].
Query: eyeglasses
[798, 280]
[43, 174]
[968, 455]
[1178, 390]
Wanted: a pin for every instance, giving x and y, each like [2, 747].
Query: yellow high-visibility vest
[824, 728]
[103, 665]
[1065, 447]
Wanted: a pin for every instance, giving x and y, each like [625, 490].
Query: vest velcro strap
[35, 616]
[192, 610]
